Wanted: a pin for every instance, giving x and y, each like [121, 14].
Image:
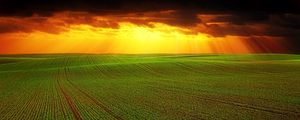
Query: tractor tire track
[97, 68]
[61, 105]
[91, 60]
[239, 104]
[68, 98]
[96, 101]
[242, 105]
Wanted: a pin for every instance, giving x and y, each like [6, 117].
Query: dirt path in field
[272, 110]
[69, 100]
[240, 104]
[93, 99]
[91, 61]
[98, 103]
[64, 92]
[259, 108]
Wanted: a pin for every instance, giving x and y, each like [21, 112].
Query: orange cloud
[79, 32]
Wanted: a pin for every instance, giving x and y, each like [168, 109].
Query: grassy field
[149, 87]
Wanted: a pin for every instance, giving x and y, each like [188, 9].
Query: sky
[149, 26]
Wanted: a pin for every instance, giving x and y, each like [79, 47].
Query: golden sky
[133, 33]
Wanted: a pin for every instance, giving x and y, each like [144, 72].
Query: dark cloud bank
[282, 17]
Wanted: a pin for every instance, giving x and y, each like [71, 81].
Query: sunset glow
[77, 32]
[149, 59]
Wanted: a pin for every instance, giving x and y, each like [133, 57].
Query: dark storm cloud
[7, 28]
[187, 10]
[47, 7]
[244, 11]
[271, 25]
[284, 25]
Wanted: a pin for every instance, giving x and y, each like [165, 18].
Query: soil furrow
[71, 104]
[238, 104]
[68, 98]
[96, 101]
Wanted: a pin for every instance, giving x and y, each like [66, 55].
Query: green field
[78, 86]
